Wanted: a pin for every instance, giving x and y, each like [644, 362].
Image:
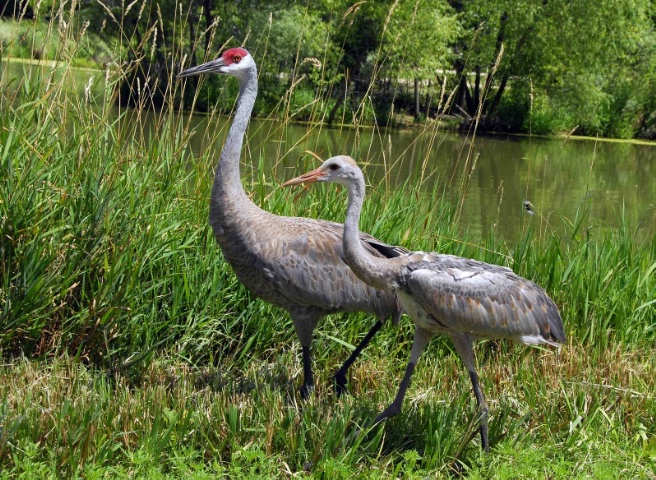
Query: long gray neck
[227, 182]
[372, 270]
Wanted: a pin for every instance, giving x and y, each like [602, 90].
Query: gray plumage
[444, 294]
[294, 263]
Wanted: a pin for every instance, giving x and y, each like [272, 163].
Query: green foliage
[297, 34]
[590, 66]
[417, 41]
[34, 40]
[590, 60]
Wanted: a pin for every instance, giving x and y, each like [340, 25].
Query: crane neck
[372, 270]
[227, 182]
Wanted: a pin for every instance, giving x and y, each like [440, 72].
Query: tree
[569, 52]
[417, 43]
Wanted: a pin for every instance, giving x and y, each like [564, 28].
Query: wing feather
[306, 265]
[485, 300]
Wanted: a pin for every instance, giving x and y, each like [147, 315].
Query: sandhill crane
[444, 294]
[294, 263]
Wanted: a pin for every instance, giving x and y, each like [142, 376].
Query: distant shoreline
[46, 63]
[556, 136]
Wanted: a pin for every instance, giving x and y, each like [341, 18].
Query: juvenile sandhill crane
[294, 263]
[444, 294]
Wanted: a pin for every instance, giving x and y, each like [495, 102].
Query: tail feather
[552, 330]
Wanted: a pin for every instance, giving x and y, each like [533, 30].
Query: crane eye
[236, 58]
[334, 167]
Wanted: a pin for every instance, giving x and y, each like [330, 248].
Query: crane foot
[340, 384]
[392, 411]
[306, 391]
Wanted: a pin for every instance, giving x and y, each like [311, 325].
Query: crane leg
[304, 323]
[308, 380]
[340, 375]
[465, 347]
[419, 342]
[482, 406]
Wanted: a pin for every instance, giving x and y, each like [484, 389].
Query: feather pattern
[297, 262]
[463, 296]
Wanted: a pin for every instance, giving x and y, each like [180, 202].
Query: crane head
[232, 62]
[340, 169]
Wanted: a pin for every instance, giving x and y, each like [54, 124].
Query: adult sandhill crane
[444, 294]
[294, 263]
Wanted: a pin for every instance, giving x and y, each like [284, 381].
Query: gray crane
[444, 294]
[294, 263]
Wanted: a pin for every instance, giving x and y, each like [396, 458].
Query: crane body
[294, 263]
[444, 294]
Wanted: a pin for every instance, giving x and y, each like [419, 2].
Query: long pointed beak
[309, 177]
[209, 67]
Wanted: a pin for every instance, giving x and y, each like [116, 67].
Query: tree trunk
[501, 35]
[417, 112]
[427, 101]
[477, 86]
[340, 99]
[459, 99]
[209, 19]
[192, 37]
[463, 99]
[497, 97]
[471, 106]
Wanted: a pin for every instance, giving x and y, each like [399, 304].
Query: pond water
[487, 178]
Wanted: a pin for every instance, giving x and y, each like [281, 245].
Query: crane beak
[309, 177]
[213, 66]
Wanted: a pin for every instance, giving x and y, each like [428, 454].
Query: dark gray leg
[304, 324]
[340, 376]
[482, 405]
[465, 347]
[308, 380]
[419, 342]
[395, 408]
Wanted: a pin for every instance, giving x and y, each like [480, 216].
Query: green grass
[129, 348]
[583, 418]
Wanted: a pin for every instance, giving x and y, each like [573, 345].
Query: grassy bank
[130, 349]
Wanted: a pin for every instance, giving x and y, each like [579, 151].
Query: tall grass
[129, 344]
[106, 251]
